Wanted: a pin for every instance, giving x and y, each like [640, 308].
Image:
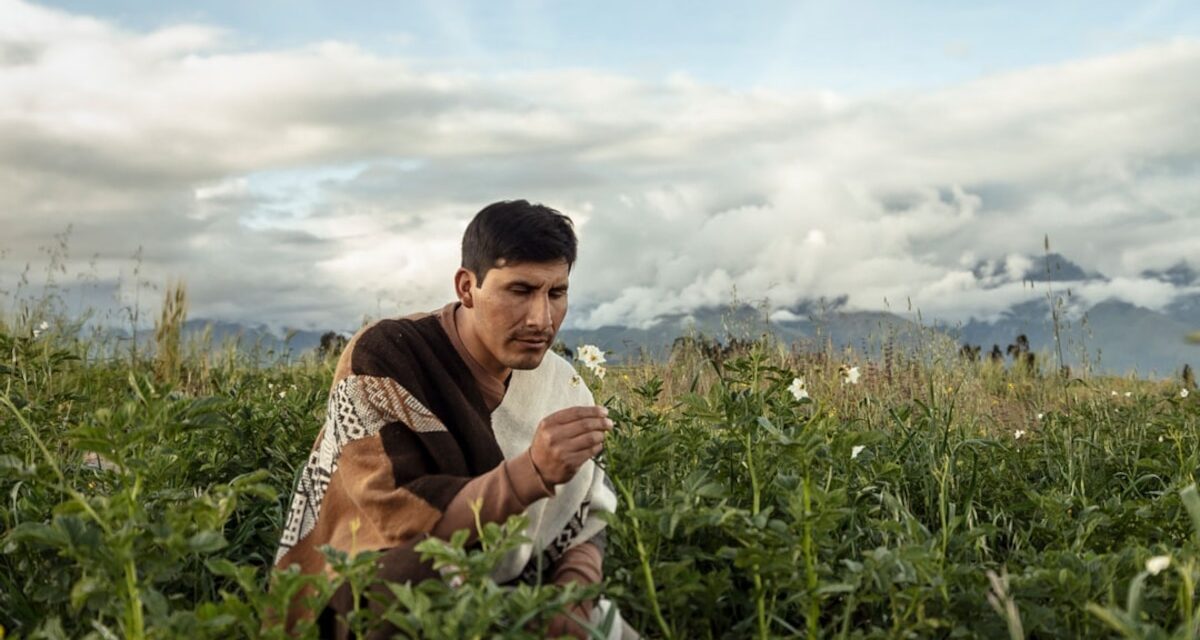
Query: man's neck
[464, 324]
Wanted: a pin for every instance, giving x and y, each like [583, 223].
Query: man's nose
[539, 313]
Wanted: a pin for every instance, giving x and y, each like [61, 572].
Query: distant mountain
[813, 326]
[1051, 267]
[1112, 337]
[1181, 274]
[1054, 267]
[1135, 338]
[251, 336]
[1116, 337]
[1186, 309]
[260, 340]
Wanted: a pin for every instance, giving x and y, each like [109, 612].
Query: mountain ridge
[1110, 336]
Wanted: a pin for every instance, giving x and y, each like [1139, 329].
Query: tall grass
[168, 333]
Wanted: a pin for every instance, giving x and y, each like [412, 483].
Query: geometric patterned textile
[359, 407]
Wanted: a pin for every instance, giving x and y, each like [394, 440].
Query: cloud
[310, 185]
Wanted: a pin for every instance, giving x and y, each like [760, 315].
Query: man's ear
[464, 282]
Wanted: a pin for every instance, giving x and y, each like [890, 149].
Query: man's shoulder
[388, 333]
[388, 340]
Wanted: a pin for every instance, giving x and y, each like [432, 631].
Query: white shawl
[569, 517]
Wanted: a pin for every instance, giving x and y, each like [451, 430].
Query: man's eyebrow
[533, 285]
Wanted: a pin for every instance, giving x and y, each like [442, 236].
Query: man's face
[518, 310]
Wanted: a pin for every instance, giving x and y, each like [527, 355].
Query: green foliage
[141, 505]
[747, 512]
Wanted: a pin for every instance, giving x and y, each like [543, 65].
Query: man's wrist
[527, 480]
[538, 471]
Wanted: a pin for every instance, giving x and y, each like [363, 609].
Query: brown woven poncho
[408, 427]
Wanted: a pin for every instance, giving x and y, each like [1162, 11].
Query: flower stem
[755, 502]
[644, 558]
[810, 561]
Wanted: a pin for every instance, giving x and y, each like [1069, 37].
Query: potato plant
[771, 494]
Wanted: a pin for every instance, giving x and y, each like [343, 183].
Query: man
[430, 412]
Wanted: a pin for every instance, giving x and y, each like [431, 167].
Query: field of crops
[922, 496]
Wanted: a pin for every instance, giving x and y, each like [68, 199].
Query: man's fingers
[584, 441]
[571, 414]
[566, 439]
[573, 429]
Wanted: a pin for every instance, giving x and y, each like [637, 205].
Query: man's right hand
[565, 439]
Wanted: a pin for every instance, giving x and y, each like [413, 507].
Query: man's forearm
[582, 563]
[506, 490]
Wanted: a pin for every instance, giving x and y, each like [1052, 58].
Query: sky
[307, 164]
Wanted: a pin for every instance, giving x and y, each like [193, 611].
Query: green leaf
[839, 587]
[207, 542]
[1133, 601]
[1115, 619]
[105, 632]
[222, 567]
[13, 463]
[156, 603]
[84, 588]
[79, 533]
[1191, 501]
[38, 533]
[711, 490]
[50, 629]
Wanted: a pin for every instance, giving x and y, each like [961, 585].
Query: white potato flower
[1156, 564]
[850, 376]
[591, 356]
[799, 392]
[855, 450]
[1017, 435]
[1183, 393]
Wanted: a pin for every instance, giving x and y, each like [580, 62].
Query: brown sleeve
[582, 563]
[506, 490]
[394, 515]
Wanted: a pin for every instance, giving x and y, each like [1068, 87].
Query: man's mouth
[534, 342]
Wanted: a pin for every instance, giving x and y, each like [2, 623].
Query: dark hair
[517, 231]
